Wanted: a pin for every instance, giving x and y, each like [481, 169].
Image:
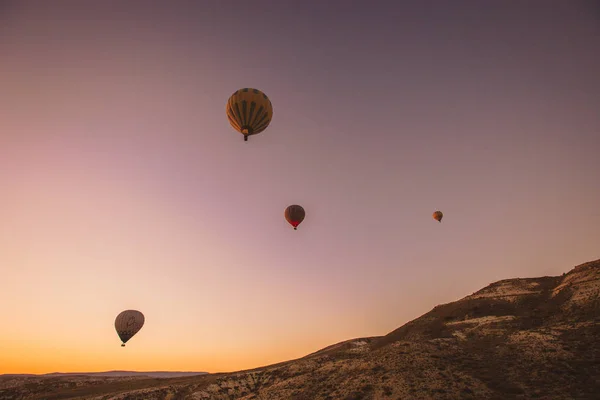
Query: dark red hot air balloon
[294, 214]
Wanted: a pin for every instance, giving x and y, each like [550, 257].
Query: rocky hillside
[535, 338]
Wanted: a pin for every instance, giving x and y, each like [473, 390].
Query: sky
[123, 186]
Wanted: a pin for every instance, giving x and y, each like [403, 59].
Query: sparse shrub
[300, 396]
[367, 388]
[355, 396]
[377, 368]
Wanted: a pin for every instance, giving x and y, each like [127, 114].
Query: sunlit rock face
[583, 282]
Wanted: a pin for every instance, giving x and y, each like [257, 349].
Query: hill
[514, 339]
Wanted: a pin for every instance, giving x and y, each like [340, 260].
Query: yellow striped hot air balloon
[249, 111]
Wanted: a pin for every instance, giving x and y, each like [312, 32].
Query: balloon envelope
[128, 323]
[438, 215]
[294, 214]
[249, 111]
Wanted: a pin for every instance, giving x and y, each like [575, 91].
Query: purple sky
[123, 185]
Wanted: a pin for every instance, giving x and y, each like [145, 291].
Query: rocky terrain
[534, 338]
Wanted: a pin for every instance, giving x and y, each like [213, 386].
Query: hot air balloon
[128, 323]
[294, 214]
[249, 111]
[438, 215]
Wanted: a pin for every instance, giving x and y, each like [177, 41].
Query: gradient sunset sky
[123, 186]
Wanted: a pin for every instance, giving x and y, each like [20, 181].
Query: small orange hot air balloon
[438, 215]
[294, 214]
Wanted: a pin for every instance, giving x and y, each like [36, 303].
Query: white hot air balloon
[128, 323]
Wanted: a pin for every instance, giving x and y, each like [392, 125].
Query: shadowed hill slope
[514, 339]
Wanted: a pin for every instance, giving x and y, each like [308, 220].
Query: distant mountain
[533, 338]
[153, 374]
